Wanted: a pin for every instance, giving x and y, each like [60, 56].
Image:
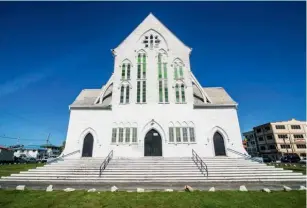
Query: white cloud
[20, 83]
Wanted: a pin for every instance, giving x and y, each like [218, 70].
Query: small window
[262, 148]
[260, 139]
[298, 136]
[272, 147]
[280, 127]
[267, 128]
[295, 127]
[301, 146]
[258, 130]
[171, 134]
[127, 138]
[121, 135]
[178, 135]
[192, 135]
[269, 137]
[114, 134]
[282, 136]
[285, 146]
[185, 134]
[134, 135]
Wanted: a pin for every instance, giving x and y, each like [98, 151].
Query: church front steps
[151, 170]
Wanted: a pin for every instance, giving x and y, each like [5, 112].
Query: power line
[16, 138]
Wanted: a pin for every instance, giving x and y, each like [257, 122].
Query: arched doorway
[219, 145]
[88, 142]
[152, 144]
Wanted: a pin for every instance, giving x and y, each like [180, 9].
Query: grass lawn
[6, 170]
[297, 168]
[83, 199]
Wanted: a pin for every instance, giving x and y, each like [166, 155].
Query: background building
[277, 138]
[251, 143]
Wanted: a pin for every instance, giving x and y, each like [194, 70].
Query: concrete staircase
[154, 170]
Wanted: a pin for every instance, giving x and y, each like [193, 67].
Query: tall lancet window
[141, 78]
[162, 78]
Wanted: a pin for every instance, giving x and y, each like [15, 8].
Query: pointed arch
[178, 61]
[152, 124]
[90, 143]
[154, 33]
[221, 132]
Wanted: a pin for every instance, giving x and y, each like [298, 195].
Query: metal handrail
[105, 162]
[62, 156]
[248, 157]
[200, 163]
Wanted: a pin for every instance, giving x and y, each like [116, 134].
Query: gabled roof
[150, 20]
[87, 98]
[218, 95]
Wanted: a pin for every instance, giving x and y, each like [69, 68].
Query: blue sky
[50, 51]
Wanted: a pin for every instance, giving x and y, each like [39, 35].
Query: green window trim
[123, 71]
[165, 70]
[177, 94]
[139, 58]
[182, 94]
[144, 92]
[128, 71]
[160, 70]
[122, 89]
[127, 94]
[160, 92]
[175, 72]
[138, 91]
[166, 91]
[181, 71]
[139, 71]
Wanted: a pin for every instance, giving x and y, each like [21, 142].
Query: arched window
[162, 77]
[124, 94]
[141, 78]
[123, 71]
[180, 93]
[177, 94]
[128, 71]
[127, 94]
[122, 90]
[178, 69]
[126, 67]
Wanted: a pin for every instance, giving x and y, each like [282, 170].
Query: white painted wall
[206, 122]
[100, 122]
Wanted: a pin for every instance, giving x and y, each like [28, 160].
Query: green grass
[227, 199]
[6, 170]
[297, 168]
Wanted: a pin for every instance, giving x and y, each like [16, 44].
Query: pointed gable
[151, 23]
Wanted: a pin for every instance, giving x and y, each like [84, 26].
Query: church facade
[153, 105]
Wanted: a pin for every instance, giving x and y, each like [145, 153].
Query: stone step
[141, 175]
[158, 168]
[174, 181]
[138, 178]
[158, 171]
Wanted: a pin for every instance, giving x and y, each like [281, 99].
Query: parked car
[290, 158]
[303, 161]
[267, 159]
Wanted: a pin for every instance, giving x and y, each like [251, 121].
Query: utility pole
[47, 141]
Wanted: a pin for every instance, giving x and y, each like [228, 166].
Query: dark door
[153, 144]
[219, 146]
[87, 150]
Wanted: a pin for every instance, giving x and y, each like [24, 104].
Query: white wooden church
[153, 105]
